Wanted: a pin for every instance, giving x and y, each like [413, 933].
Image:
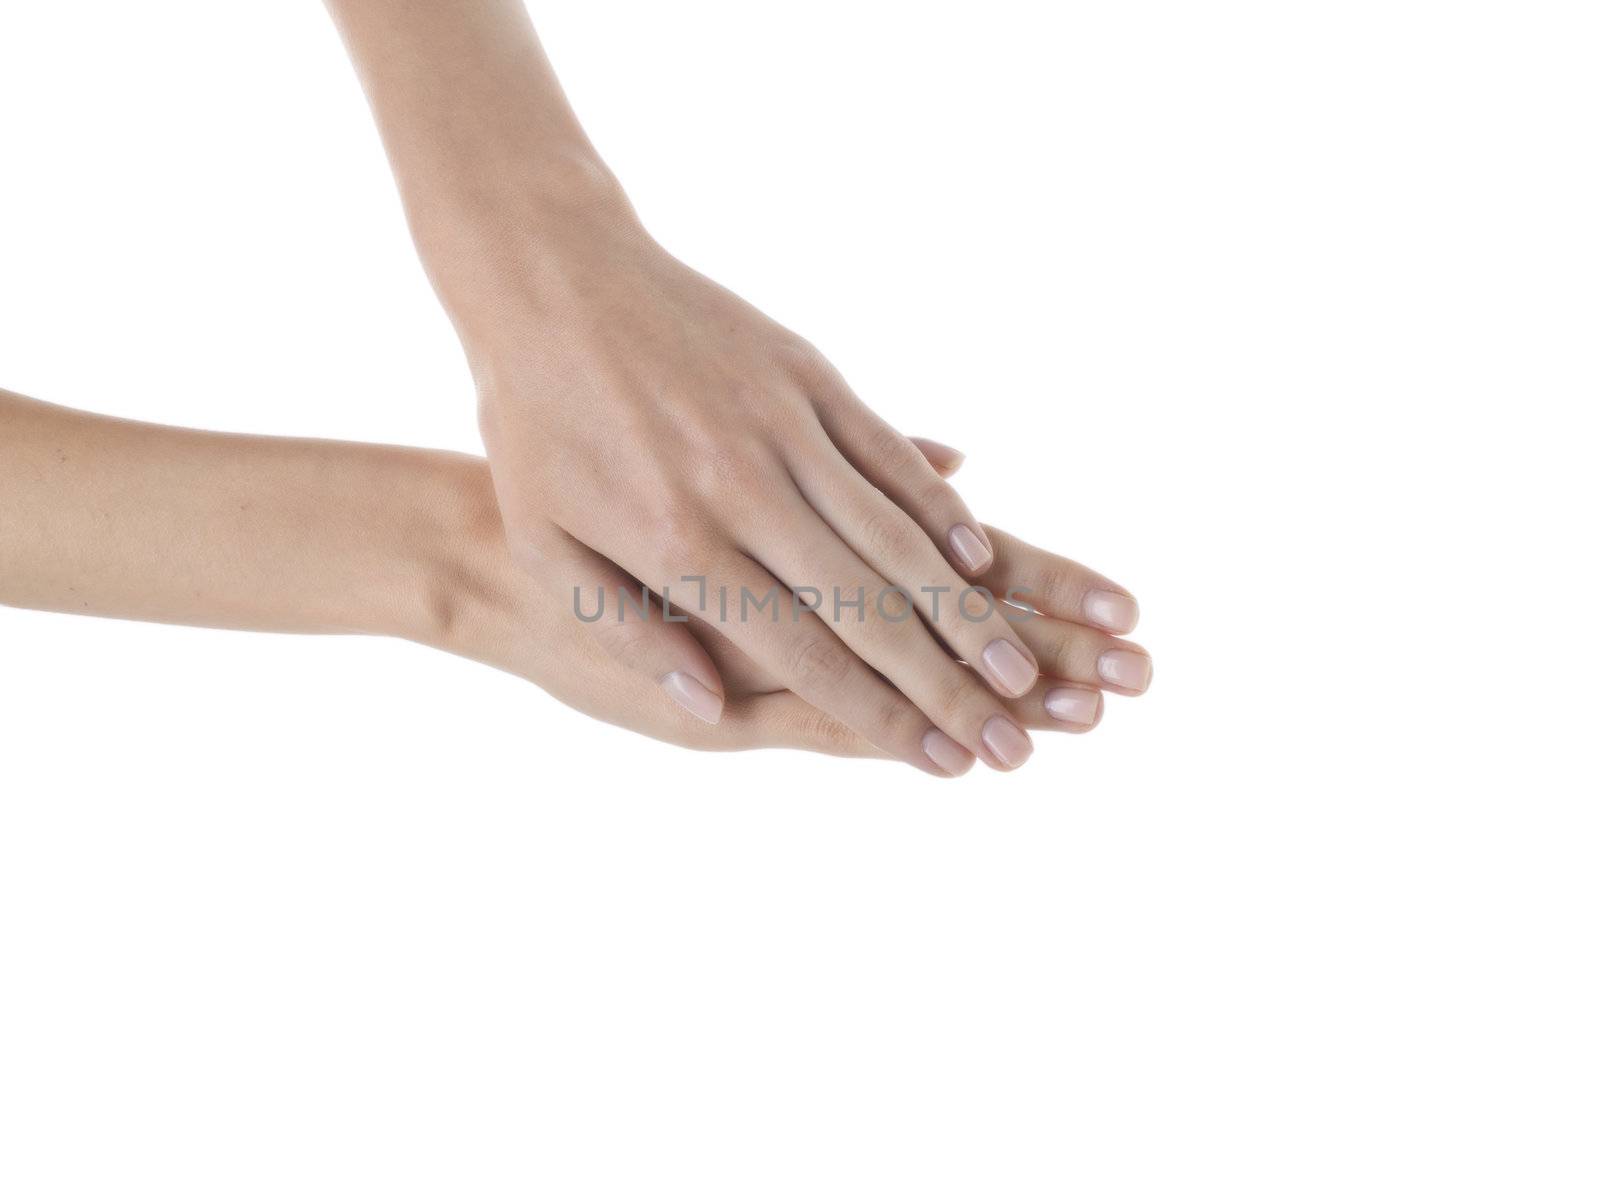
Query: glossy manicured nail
[970, 550]
[946, 754]
[1072, 706]
[1009, 668]
[1109, 610]
[1125, 668]
[1008, 743]
[694, 696]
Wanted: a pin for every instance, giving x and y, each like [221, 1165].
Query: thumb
[633, 625]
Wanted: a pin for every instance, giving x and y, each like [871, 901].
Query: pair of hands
[644, 425]
[117, 518]
[756, 709]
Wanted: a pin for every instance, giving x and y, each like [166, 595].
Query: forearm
[483, 144]
[109, 517]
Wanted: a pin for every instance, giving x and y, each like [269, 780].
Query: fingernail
[1072, 706]
[1009, 668]
[1006, 742]
[940, 456]
[970, 549]
[945, 753]
[1109, 610]
[693, 695]
[1125, 668]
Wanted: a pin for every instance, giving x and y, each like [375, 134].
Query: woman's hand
[646, 413]
[639, 414]
[590, 666]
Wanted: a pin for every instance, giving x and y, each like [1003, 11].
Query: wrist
[424, 533]
[487, 237]
[501, 188]
[461, 592]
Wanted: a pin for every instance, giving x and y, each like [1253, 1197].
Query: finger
[1057, 586]
[966, 617]
[762, 617]
[888, 459]
[942, 458]
[1059, 705]
[634, 625]
[783, 720]
[741, 674]
[1080, 654]
[881, 626]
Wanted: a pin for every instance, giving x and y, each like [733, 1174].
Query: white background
[1282, 314]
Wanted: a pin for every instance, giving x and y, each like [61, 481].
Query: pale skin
[111, 517]
[643, 423]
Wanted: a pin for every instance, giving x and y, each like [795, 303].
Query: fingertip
[944, 459]
[693, 696]
[1076, 708]
[946, 753]
[1114, 611]
[1010, 668]
[1127, 667]
[971, 549]
[1008, 745]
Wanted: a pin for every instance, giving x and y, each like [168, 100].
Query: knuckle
[1056, 581]
[802, 359]
[790, 421]
[733, 470]
[933, 494]
[897, 723]
[886, 618]
[1062, 646]
[630, 642]
[891, 448]
[887, 640]
[888, 533]
[681, 533]
[959, 692]
[819, 728]
[975, 605]
[820, 663]
[894, 607]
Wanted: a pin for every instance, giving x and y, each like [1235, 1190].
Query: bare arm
[108, 517]
[112, 517]
[479, 135]
[634, 407]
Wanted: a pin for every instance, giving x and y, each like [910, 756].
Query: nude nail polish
[945, 753]
[693, 695]
[1125, 668]
[1072, 706]
[1008, 743]
[941, 457]
[1007, 667]
[970, 549]
[1111, 610]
